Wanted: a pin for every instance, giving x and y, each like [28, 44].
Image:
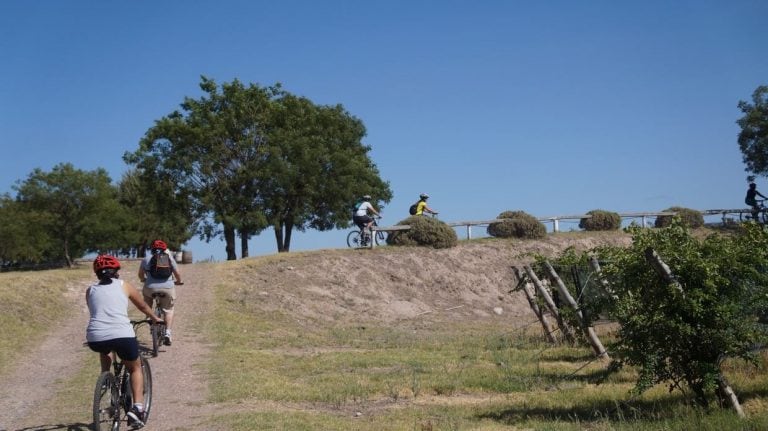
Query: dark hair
[107, 274]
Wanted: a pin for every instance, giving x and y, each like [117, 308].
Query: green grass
[296, 375]
[33, 303]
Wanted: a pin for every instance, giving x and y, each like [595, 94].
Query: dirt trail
[179, 384]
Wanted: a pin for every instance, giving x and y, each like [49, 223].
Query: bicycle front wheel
[353, 239]
[146, 371]
[106, 406]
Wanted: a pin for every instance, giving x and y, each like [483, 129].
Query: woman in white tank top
[109, 328]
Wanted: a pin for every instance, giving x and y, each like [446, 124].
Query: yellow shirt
[420, 207]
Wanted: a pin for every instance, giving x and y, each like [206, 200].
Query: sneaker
[136, 418]
[167, 338]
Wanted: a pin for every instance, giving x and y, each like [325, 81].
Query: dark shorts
[126, 348]
[361, 221]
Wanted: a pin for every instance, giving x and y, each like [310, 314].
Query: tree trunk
[229, 239]
[244, 235]
[70, 264]
[288, 232]
[279, 238]
[730, 396]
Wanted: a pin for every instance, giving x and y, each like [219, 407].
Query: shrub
[691, 218]
[517, 224]
[601, 220]
[424, 231]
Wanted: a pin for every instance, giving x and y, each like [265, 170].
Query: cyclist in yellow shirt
[421, 206]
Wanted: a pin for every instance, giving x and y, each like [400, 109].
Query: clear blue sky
[551, 107]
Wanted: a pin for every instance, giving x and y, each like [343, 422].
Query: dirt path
[178, 374]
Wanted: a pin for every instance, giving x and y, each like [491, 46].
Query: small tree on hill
[601, 220]
[517, 224]
[690, 217]
[424, 231]
[680, 332]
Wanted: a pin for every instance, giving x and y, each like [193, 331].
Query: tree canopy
[78, 210]
[753, 138]
[250, 157]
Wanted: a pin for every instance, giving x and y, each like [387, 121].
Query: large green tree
[753, 138]
[78, 208]
[316, 166]
[23, 237]
[155, 210]
[250, 157]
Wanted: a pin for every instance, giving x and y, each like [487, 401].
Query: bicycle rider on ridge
[361, 217]
[110, 330]
[421, 206]
[160, 285]
[751, 200]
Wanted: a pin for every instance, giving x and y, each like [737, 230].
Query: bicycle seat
[158, 294]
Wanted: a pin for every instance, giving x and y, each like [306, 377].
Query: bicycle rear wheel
[106, 406]
[353, 239]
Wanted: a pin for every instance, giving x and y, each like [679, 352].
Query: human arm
[138, 300]
[176, 276]
[142, 273]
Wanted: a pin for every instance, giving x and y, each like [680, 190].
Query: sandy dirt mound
[399, 283]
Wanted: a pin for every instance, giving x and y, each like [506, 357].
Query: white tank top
[108, 305]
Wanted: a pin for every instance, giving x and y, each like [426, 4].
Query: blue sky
[550, 107]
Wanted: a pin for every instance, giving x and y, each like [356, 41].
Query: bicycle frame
[113, 396]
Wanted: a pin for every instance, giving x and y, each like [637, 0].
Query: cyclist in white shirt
[361, 217]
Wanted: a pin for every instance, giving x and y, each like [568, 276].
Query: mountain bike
[157, 331]
[112, 397]
[762, 213]
[362, 236]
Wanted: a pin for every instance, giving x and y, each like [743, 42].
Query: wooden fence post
[525, 285]
[589, 331]
[550, 304]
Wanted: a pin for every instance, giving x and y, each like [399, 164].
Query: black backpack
[160, 266]
[412, 210]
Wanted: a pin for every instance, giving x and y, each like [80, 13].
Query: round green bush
[517, 224]
[691, 218]
[601, 220]
[424, 231]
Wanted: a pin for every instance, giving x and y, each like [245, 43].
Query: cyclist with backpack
[360, 216]
[420, 207]
[155, 272]
[110, 330]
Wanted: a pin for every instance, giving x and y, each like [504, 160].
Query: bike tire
[353, 239]
[154, 330]
[106, 406]
[146, 371]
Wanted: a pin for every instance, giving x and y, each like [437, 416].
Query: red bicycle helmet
[105, 261]
[158, 245]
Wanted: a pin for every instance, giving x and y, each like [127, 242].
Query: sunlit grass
[33, 303]
[297, 374]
